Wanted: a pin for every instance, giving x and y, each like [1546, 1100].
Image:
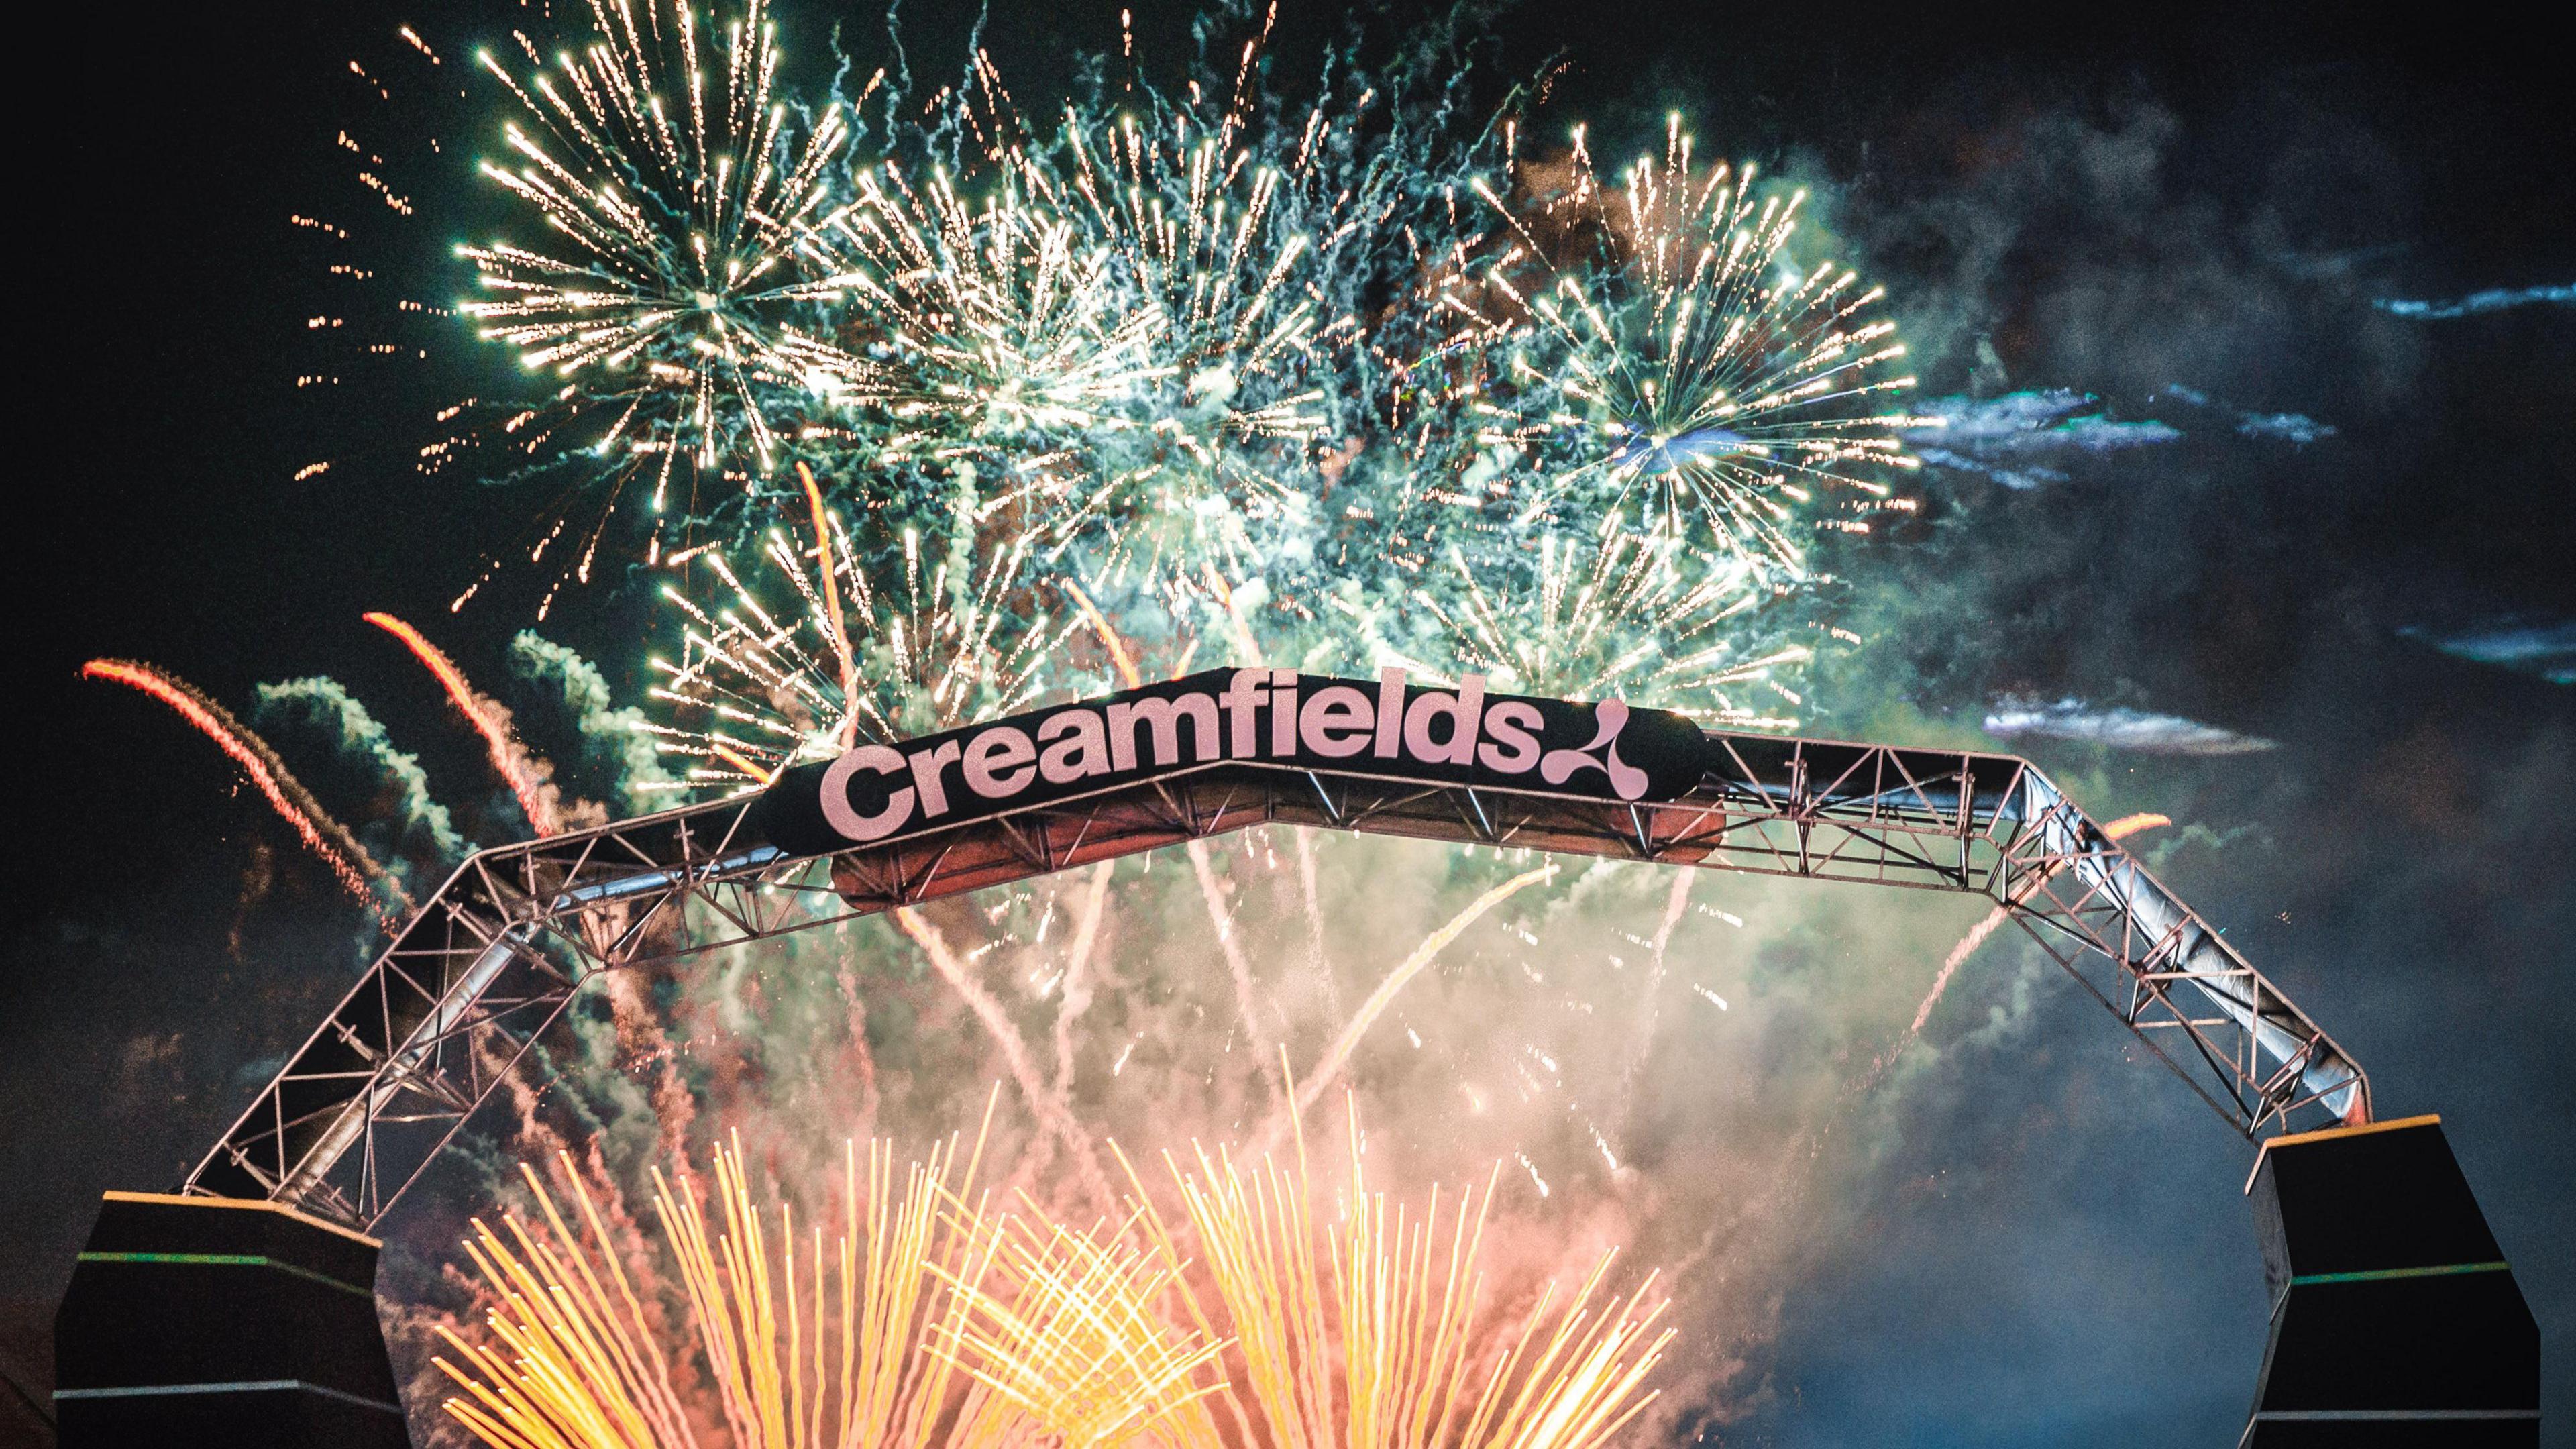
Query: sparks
[1652, 342]
[325, 837]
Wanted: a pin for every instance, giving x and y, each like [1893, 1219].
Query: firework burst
[1645, 616]
[658, 157]
[1364, 1329]
[923, 1319]
[1653, 344]
[1212, 227]
[1117, 325]
[807, 644]
[996, 344]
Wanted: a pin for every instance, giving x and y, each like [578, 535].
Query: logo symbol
[1626, 780]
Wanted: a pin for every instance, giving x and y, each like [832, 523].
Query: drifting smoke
[2521, 645]
[2477, 304]
[2117, 728]
[2296, 429]
[2009, 438]
[616, 734]
[358, 734]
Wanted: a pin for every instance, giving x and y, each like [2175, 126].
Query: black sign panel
[1390, 728]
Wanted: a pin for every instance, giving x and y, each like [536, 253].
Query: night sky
[2351, 536]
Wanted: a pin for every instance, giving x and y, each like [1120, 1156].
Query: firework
[1004, 349]
[1649, 616]
[841, 638]
[1653, 343]
[668, 295]
[924, 1321]
[525, 774]
[1363, 1331]
[1155, 373]
[826, 1352]
[325, 837]
[1212, 226]
[1114, 326]
[1082, 1346]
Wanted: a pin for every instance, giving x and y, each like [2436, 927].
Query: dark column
[206, 1321]
[2395, 1320]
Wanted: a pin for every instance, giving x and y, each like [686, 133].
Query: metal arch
[498, 953]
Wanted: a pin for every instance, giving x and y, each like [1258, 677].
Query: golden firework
[801, 1354]
[928, 1320]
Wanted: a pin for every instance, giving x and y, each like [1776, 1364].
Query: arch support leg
[2395, 1319]
[207, 1321]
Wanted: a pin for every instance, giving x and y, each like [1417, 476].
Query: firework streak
[325, 837]
[510, 759]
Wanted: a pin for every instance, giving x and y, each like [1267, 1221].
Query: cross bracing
[497, 954]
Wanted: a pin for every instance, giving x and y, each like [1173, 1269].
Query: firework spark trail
[2125, 826]
[1238, 966]
[1247, 1001]
[1649, 1004]
[1083, 1347]
[1119, 658]
[863, 1058]
[1317, 958]
[1216, 239]
[640, 1038]
[1330, 1066]
[526, 775]
[1359, 1329]
[325, 837]
[840, 630]
[832, 1355]
[1076, 989]
[1053, 1115]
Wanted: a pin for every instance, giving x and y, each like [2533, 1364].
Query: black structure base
[2395, 1320]
[208, 1322]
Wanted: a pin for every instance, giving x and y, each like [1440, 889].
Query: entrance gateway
[2395, 1318]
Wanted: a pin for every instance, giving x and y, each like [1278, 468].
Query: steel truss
[502, 949]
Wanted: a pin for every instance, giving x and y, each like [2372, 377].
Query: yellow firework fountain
[1267, 1313]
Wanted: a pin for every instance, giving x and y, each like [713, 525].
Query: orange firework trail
[832, 599]
[321, 834]
[1118, 655]
[509, 758]
[2126, 825]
